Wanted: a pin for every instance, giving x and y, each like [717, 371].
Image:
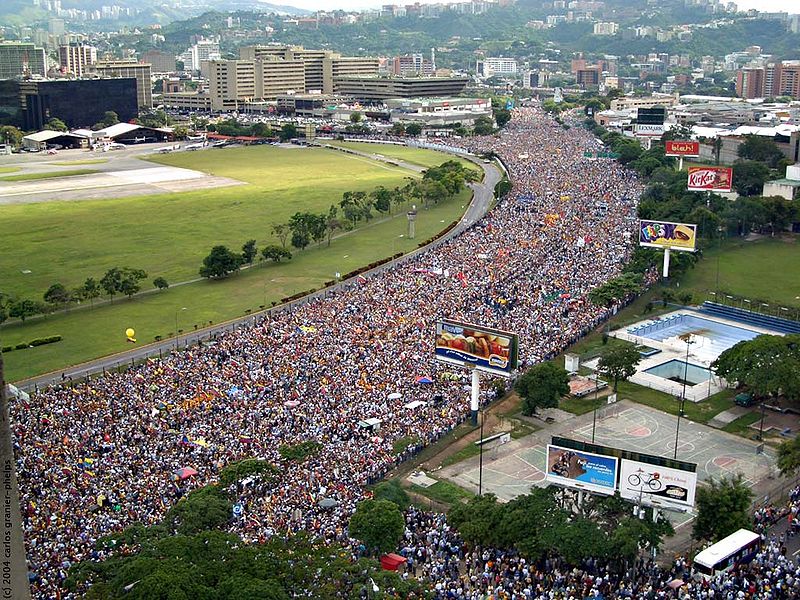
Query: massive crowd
[101, 455]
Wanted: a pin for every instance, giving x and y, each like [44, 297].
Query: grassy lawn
[84, 161]
[444, 492]
[94, 332]
[741, 426]
[417, 156]
[9, 169]
[169, 234]
[748, 270]
[48, 175]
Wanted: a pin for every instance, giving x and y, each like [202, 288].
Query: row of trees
[124, 281]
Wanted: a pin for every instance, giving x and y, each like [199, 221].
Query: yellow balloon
[130, 332]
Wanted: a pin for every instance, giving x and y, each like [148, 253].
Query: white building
[203, 50]
[497, 66]
[608, 28]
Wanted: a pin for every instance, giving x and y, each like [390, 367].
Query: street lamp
[594, 414]
[176, 326]
[480, 459]
[688, 339]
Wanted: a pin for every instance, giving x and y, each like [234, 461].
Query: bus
[738, 548]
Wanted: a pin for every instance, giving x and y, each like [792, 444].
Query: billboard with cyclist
[581, 470]
[655, 485]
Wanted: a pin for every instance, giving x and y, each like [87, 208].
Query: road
[483, 194]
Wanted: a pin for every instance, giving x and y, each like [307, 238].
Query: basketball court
[512, 469]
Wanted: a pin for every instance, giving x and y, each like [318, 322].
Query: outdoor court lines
[512, 469]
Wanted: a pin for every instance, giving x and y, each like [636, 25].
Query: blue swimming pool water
[676, 369]
[722, 336]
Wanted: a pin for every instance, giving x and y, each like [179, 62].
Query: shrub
[48, 340]
[8, 349]
[20, 346]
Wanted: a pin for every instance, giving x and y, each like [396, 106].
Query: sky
[790, 6]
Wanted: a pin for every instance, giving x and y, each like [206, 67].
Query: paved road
[483, 194]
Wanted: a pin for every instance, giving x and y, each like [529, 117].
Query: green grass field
[4, 170]
[765, 269]
[226, 216]
[48, 175]
[417, 156]
[85, 161]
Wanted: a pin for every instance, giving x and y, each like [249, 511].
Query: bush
[48, 340]
[7, 349]
[20, 346]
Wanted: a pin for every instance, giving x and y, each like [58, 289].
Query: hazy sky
[763, 5]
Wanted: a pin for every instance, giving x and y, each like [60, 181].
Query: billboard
[681, 148]
[485, 349]
[581, 470]
[661, 234]
[656, 485]
[647, 129]
[710, 179]
[651, 116]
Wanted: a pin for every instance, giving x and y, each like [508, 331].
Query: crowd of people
[98, 456]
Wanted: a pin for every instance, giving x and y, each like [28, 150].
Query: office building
[231, 83]
[21, 60]
[275, 76]
[488, 67]
[130, 68]
[161, 62]
[77, 102]
[201, 51]
[338, 67]
[76, 58]
[376, 89]
[588, 77]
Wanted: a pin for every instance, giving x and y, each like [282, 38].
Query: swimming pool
[709, 338]
[676, 369]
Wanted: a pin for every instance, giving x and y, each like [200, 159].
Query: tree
[56, 124]
[356, 117]
[332, 222]
[111, 281]
[768, 365]
[502, 117]
[181, 132]
[261, 130]
[414, 129]
[483, 126]
[129, 281]
[57, 295]
[160, 283]
[542, 386]
[275, 253]
[249, 251]
[301, 224]
[789, 456]
[22, 309]
[398, 129]
[91, 289]
[392, 491]
[723, 506]
[749, 177]
[109, 118]
[379, 524]
[618, 361]
[281, 231]
[381, 199]
[761, 149]
[288, 132]
[220, 263]
[11, 135]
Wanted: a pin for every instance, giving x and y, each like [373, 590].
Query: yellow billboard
[661, 234]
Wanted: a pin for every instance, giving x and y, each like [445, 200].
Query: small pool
[675, 370]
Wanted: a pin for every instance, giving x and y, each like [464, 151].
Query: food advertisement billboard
[681, 148]
[657, 486]
[710, 179]
[581, 470]
[482, 348]
[662, 234]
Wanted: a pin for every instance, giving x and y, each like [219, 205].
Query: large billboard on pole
[656, 485]
[482, 348]
[681, 148]
[663, 234]
[581, 470]
[710, 179]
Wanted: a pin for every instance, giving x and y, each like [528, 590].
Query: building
[788, 187]
[412, 64]
[21, 60]
[377, 89]
[141, 72]
[307, 105]
[42, 140]
[338, 67]
[750, 83]
[160, 62]
[77, 102]
[489, 67]
[202, 50]
[275, 76]
[231, 83]
[588, 77]
[624, 103]
[76, 58]
[188, 101]
[606, 28]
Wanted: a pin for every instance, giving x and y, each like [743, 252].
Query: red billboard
[682, 148]
[710, 179]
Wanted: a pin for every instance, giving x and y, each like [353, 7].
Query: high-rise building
[337, 67]
[21, 60]
[275, 76]
[750, 83]
[497, 66]
[588, 77]
[76, 58]
[606, 28]
[203, 50]
[141, 72]
[235, 82]
[412, 64]
[161, 62]
[788, 80]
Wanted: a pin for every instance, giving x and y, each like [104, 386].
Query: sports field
[169, 234]
[765, 269]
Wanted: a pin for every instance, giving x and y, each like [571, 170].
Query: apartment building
[76, 58]
[775, 79]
